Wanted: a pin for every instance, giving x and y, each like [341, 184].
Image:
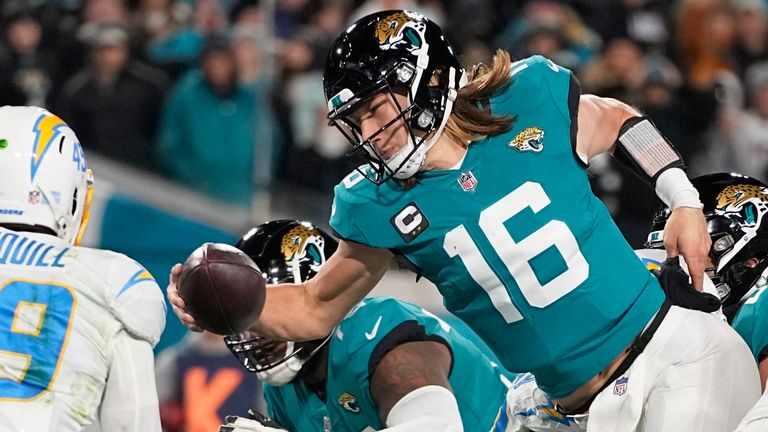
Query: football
[223, 288]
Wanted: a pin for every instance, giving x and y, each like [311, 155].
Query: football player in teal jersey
[477, 181]
[736, 209]
[363, 374]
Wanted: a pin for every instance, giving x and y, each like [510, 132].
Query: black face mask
[738, 279]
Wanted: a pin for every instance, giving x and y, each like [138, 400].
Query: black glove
[256, 422]
[674, 282]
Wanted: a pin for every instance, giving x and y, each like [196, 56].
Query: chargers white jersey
[69, 318]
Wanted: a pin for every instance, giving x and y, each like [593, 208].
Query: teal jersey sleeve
[751, 322]
[295, 408]
[349, 198]
[543, 83]
[548, 81]
[377, 326]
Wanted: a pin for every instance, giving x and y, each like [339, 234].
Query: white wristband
[675, 190]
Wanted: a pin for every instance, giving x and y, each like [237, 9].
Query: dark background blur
[232, 88]
[203, 117]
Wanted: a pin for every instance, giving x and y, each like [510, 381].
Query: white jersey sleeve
[130, 398]
[136, 300]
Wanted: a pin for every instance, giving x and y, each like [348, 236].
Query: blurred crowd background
[224, 97]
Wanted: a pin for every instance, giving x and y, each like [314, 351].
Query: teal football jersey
[515, 240]
[296, 408]
[379, 324]
[751, 322]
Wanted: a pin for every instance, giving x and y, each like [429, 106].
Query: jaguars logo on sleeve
[138, 301]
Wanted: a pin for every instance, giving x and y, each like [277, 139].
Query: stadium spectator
[29, 66]
[619, 72]
[115, 101]
[751, 33]
[158, 19]
[706, 35]
[208, 135]
[179, 50]
[749, 134]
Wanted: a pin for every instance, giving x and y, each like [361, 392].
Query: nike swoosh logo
[375, 330]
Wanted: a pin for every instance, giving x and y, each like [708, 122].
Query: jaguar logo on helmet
[400, 30]
[732, 197]
[745, 199]
[300, 241]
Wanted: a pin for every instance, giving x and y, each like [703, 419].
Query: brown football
[222, 288]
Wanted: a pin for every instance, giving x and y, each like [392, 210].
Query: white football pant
[695, 375]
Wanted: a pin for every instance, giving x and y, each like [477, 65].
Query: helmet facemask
[394, 53]
[419, 122]
[274, 362]
[287, 251]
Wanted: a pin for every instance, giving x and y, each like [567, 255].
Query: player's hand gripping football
[686, 234]
[177, 303]
[256, 423]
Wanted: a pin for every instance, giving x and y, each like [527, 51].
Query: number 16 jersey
[515, 240]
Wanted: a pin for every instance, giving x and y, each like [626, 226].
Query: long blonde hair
[468, 121]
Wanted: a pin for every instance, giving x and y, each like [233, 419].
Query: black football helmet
[286, 251]
[394, 51]
[735, 207]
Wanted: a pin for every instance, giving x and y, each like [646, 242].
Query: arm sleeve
[426, 409]
[130, 402]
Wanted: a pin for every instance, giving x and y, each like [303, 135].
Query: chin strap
[419, 155]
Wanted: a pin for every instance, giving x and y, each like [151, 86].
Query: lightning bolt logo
[46, 130]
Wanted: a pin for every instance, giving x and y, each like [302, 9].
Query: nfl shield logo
[34, 197]
[620, 387]
[467, 181]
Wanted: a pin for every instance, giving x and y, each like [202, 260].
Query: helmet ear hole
[74, 202]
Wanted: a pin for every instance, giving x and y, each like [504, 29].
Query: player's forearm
[291, 313]
[609, 125]
[311, 310]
